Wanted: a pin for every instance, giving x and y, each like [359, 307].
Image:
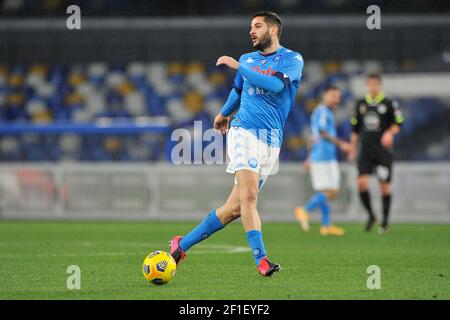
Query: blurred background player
[323, 164]
[264, 88]
[375, 123]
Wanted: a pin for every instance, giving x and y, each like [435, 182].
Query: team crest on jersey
[263, 61]
[252, 162]
[382, 109]
[362, 108]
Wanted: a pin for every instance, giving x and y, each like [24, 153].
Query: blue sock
[204, 230]
[325, 208]
[315, 201]
[255, 241]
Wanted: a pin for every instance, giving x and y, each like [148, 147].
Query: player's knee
[332, 194]
[248, 195]
[385, 189]
[362, 184]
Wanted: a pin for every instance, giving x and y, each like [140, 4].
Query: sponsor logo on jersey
[277, 58]
[268, 71]
[256, 91]
[371, 120]
[249, 60]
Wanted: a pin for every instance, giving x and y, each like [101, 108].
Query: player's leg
[212, 223]
[332, 184]
[318, 179]
[364, 195]
[325, 177]
[365, 168]
[231, 210]
[248, 185]
[247, 182]
[385, 188]
[384, 173]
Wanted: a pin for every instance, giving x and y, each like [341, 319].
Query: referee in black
[375, 122]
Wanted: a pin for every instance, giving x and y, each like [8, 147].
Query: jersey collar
[375, 100]
[270, 54]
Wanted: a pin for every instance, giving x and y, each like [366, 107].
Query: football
[159, 267]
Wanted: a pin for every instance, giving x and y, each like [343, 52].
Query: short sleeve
[356, 119]
[238, 81]
[291, 68]
[322, 120]
[397, 113]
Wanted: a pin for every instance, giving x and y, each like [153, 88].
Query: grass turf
[414, 262]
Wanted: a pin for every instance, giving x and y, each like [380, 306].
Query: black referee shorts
[376, 159]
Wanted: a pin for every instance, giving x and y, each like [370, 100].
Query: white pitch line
[212, 249]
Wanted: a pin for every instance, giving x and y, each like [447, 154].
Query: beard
[264, 42]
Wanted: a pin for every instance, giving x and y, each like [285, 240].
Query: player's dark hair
[374, 75]
[331, 87]
[270, 18]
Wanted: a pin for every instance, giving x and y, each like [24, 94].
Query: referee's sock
[315, 201]
[205, 229]
[386, 209]
[365, 199]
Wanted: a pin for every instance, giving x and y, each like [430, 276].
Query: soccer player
[375, 123]
[265, 87]
[323, 163]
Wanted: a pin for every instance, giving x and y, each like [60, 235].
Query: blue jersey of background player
[265, 86]
[322, 121]
[322, 164]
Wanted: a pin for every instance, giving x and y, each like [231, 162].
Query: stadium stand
[22, 8]
[182, 93]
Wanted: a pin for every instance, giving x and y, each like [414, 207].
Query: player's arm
[342, 144]
[271, 84]
[231, 105]
[387, 139]
[322, 128]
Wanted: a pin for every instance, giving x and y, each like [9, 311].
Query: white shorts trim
[246, 152]
[325, 175]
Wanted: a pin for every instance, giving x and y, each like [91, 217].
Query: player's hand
[221, 123]
[387, 139]
[351, 154]
[345, 146]
[228, 61]
[306, 165]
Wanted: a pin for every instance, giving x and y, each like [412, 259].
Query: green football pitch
[414, 262]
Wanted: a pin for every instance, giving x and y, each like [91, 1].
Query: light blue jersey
[262, 112]
[322, 120]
